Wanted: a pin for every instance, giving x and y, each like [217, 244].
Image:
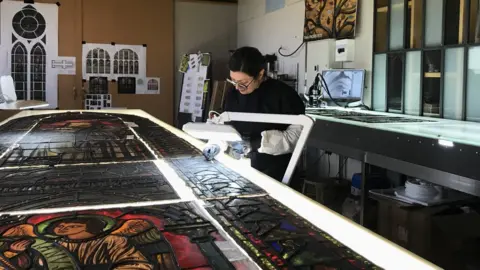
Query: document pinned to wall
[97, 60]
[195, 84]
[29, 39]
[153, 85]
[64, 65]
[114, 61]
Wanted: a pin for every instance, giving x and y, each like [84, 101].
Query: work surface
[122, 190]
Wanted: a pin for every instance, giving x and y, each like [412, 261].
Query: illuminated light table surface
[369, 245]
[442, 151]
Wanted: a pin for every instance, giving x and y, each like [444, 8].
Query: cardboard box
[407, 226]
[456, 241]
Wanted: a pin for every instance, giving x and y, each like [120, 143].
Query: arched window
[98, 62]
[152, 85]
[19, 69]
[38, 72]
[126, 62]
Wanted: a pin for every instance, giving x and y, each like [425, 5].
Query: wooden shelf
[432, 75]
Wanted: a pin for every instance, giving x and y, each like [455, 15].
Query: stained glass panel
[47, 187]
[277, 238]
[163, 142]
[211, 179]
[172, 237]
[77, 138]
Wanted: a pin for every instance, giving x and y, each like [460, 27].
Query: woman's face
[245, 84]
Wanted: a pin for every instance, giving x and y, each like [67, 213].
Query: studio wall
[123, 22]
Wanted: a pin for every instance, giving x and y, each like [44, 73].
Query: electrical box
[345, 50]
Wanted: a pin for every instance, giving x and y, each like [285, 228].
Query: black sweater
[274, 97]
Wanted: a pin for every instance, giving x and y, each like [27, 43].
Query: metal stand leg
[364, 193]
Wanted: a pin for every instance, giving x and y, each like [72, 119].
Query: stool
[319, 186]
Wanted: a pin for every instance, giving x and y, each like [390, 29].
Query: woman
[256, 93]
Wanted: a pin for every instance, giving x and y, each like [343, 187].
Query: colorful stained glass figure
[277, 238]
[167, 237]
[69, 138]
[210, 179]
[47, 187]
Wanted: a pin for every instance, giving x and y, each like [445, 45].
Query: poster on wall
[97, 60]
[194, 84]
[64, 65]
[29, 36]
[114, 61]
[326, 19]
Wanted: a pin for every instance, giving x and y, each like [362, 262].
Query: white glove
[275, 142]
[217, 120]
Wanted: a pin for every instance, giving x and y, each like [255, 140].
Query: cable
[328, 175]
[294, 52]
[340, 168]
[324, 84]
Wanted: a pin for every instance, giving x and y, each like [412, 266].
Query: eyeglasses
[240, 86]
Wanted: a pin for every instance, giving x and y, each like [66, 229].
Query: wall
[119, 21]
[284, 28]
[207, 27]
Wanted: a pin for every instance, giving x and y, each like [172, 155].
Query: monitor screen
[344, 84]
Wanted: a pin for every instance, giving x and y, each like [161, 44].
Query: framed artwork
[70, 138]
[82, 185]
[325, 19]
[277, 238]
[210, 179]
[172, 236]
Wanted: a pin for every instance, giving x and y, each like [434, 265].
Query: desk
[23, 105]
[31, 127]
[444, 152]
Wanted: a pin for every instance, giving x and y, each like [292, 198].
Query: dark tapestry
[158, 237]
[325, 19]
[277, 238]
[211, 179]
[63, 186]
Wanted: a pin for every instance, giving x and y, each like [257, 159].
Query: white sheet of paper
[30, 51]
[153, 85]
[129, 61]
[192, 90]
[97, 60]
[64, 65]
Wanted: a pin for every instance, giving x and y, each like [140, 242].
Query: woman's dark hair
[94, 225]
[248, 60]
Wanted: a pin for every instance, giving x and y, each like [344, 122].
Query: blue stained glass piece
[276, 246]
[287, 226]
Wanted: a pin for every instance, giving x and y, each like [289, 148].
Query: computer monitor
[344, 84]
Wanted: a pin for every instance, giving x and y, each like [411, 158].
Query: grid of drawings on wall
[210, 179]
[51, 187]
[164, 143]
[279, 239]
[97, 101]
[77, 138]
[172, 237]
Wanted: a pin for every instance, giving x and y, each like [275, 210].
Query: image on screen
[344, 84]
